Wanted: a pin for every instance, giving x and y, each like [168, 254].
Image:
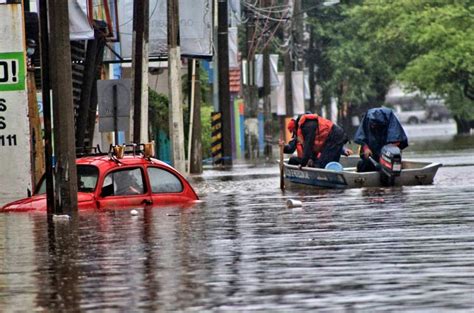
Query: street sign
[12, 71]
[114, 104]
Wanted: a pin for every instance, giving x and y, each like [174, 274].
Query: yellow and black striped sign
[216, 142]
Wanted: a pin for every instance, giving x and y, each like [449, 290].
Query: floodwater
[242, 249]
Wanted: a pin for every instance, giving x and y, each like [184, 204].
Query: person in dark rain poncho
[378, 128]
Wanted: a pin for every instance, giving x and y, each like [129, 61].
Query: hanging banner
[195, 27]
[15, 162]
[79, 26]
[274, 82]
[278, 99]
[233, 48]
[297, 86]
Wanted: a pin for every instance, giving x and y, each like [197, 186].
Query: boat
[412, 173]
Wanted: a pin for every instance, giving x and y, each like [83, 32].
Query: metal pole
[114, 101]
[224, 95]
[191, 112]
[45, 89]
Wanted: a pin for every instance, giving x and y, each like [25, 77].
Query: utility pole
[250, 33]
[224, 95]
[174, 82]
[45, 89]
[195, 156]
[250, 90]
[266, 98]
[140, 70]
[61, 81]
[312, 74]
[288, 66]
[298, 35]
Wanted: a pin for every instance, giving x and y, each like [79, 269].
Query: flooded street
[242, 249]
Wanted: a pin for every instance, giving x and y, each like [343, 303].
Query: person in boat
[378, 128]
[320, 140]
[293, 145]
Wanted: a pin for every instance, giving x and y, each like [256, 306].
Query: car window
[87, 176]
[163, 181]
[123, 182]
[41, 186]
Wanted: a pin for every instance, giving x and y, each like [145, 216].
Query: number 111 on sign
[9, 140]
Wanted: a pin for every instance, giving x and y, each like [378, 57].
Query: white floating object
[134, 212]
[291, 203]
[61, 218]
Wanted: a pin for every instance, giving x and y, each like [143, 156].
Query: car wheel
[413, 120]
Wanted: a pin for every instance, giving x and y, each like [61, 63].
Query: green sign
[12, 71]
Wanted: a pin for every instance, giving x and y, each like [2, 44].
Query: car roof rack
[89, 151]
[144, 149]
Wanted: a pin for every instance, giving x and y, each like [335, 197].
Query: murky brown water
[242, 249]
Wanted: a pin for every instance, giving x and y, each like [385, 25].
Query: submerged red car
[111, 181]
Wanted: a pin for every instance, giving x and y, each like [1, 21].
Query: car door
[124, 188]
[167, 187]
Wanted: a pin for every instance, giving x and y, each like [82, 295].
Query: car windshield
[87, 176]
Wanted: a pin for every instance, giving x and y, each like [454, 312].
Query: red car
[118, 182]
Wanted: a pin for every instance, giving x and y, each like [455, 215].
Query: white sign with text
[15, 156]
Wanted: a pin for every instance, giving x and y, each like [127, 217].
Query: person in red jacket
[293, 144]
[322, 141]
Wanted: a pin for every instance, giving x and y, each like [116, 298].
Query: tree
[350, 66]
[432, 43]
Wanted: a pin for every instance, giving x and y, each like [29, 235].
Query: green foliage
[350, 65]
[204, 86]
[458, 103]
[158, 112]
[432, 43]
[206, 130]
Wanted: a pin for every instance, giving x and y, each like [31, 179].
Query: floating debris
[61, 218]
[291, 203]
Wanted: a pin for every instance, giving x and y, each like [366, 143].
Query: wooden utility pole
[266, 99]
[298, 35]
[140, 71]
[224, 95]
[174, 84]
[288, 65]
[45, 89]
[249, 90]
[61, 81]
[195, 156]
[312, 74]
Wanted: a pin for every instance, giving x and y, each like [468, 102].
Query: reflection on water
[242, 249]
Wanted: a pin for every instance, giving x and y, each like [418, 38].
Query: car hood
[37, 203]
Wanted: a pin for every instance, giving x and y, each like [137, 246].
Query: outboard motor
[390, 163]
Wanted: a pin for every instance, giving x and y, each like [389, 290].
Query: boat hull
[413, 173]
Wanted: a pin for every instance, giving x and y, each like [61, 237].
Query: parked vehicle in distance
[438, 112]
[118, 179]
[414, 114]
